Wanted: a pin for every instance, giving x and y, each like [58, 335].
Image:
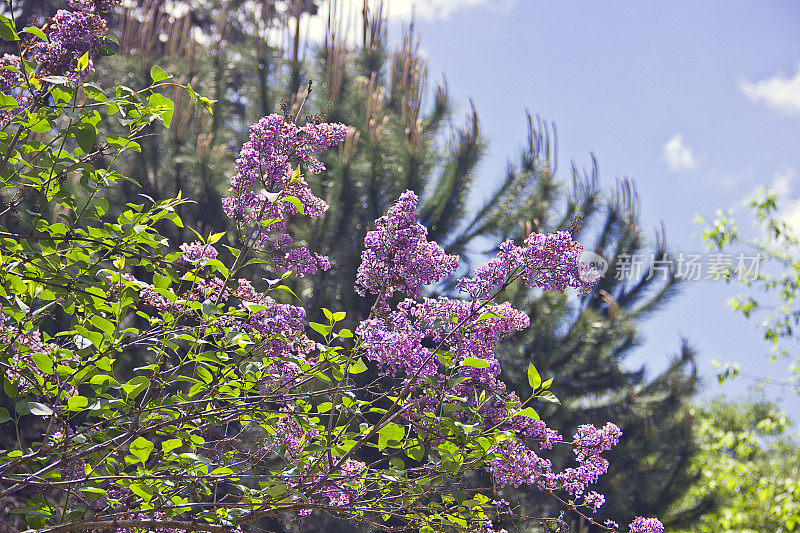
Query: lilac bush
[243, 408]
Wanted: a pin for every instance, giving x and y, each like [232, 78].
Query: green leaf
[4, 415]
[416, 452]
[8, 102]
[357, 368]
[10, 388]
[216, 237]
[58, 80]
[158, 74]
[7, 30]
[43, 362]
[163, 107]
[33, 30]
[490, 314]
[25, 407]
[122, 143]
[145, 493]
[530, 413]
[171, 444]
[83, 62]
[103, 325]
[322, 329]
[141, 449]
[295, 201]
[40, 409]
[534, 379]
[475, 362]
[209, 308]
[135, 386]
[457, 520]
[85, 134]
[548, 396]
[390, 435]
[109, 45]
[77, 403]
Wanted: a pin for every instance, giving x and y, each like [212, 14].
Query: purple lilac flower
[396, 346]
[646, 525]
[303, 261]
[337, 492]
[611, 524]
[591, 441]
[98, 6]
[148, 295]
[338, 488]
[547, 261]
[195, 251]
[502, 506]
[291, 437]
[397, 256]
[23, 371]
[10, 84]
[518, 465]
[595, 500]
[263, 182]
[283, 323]
[72, 34]
[9, 73]
[552, 262]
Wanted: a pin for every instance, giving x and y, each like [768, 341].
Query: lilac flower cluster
[518, 465]
[646, 525]
[262, 188]
[291, 436]
[588, 444]
[10, 84]
[197, 251]
[339, 487]
[345, 483]
[395, 340]
[97, 6]
[547, 261]
[282, 322]
[397, 256]
[148, 295]
[595, 500]
[10, 76]
[22, 369]
[71, 35]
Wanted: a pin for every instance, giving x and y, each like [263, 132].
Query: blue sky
[699, 102]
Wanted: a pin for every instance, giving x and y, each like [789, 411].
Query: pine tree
[583, 341]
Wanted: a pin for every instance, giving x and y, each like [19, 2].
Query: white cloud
[779, 92]
[783, 183]
[397, 11]
[678, 156]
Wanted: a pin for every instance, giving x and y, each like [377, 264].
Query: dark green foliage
[584, 340]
